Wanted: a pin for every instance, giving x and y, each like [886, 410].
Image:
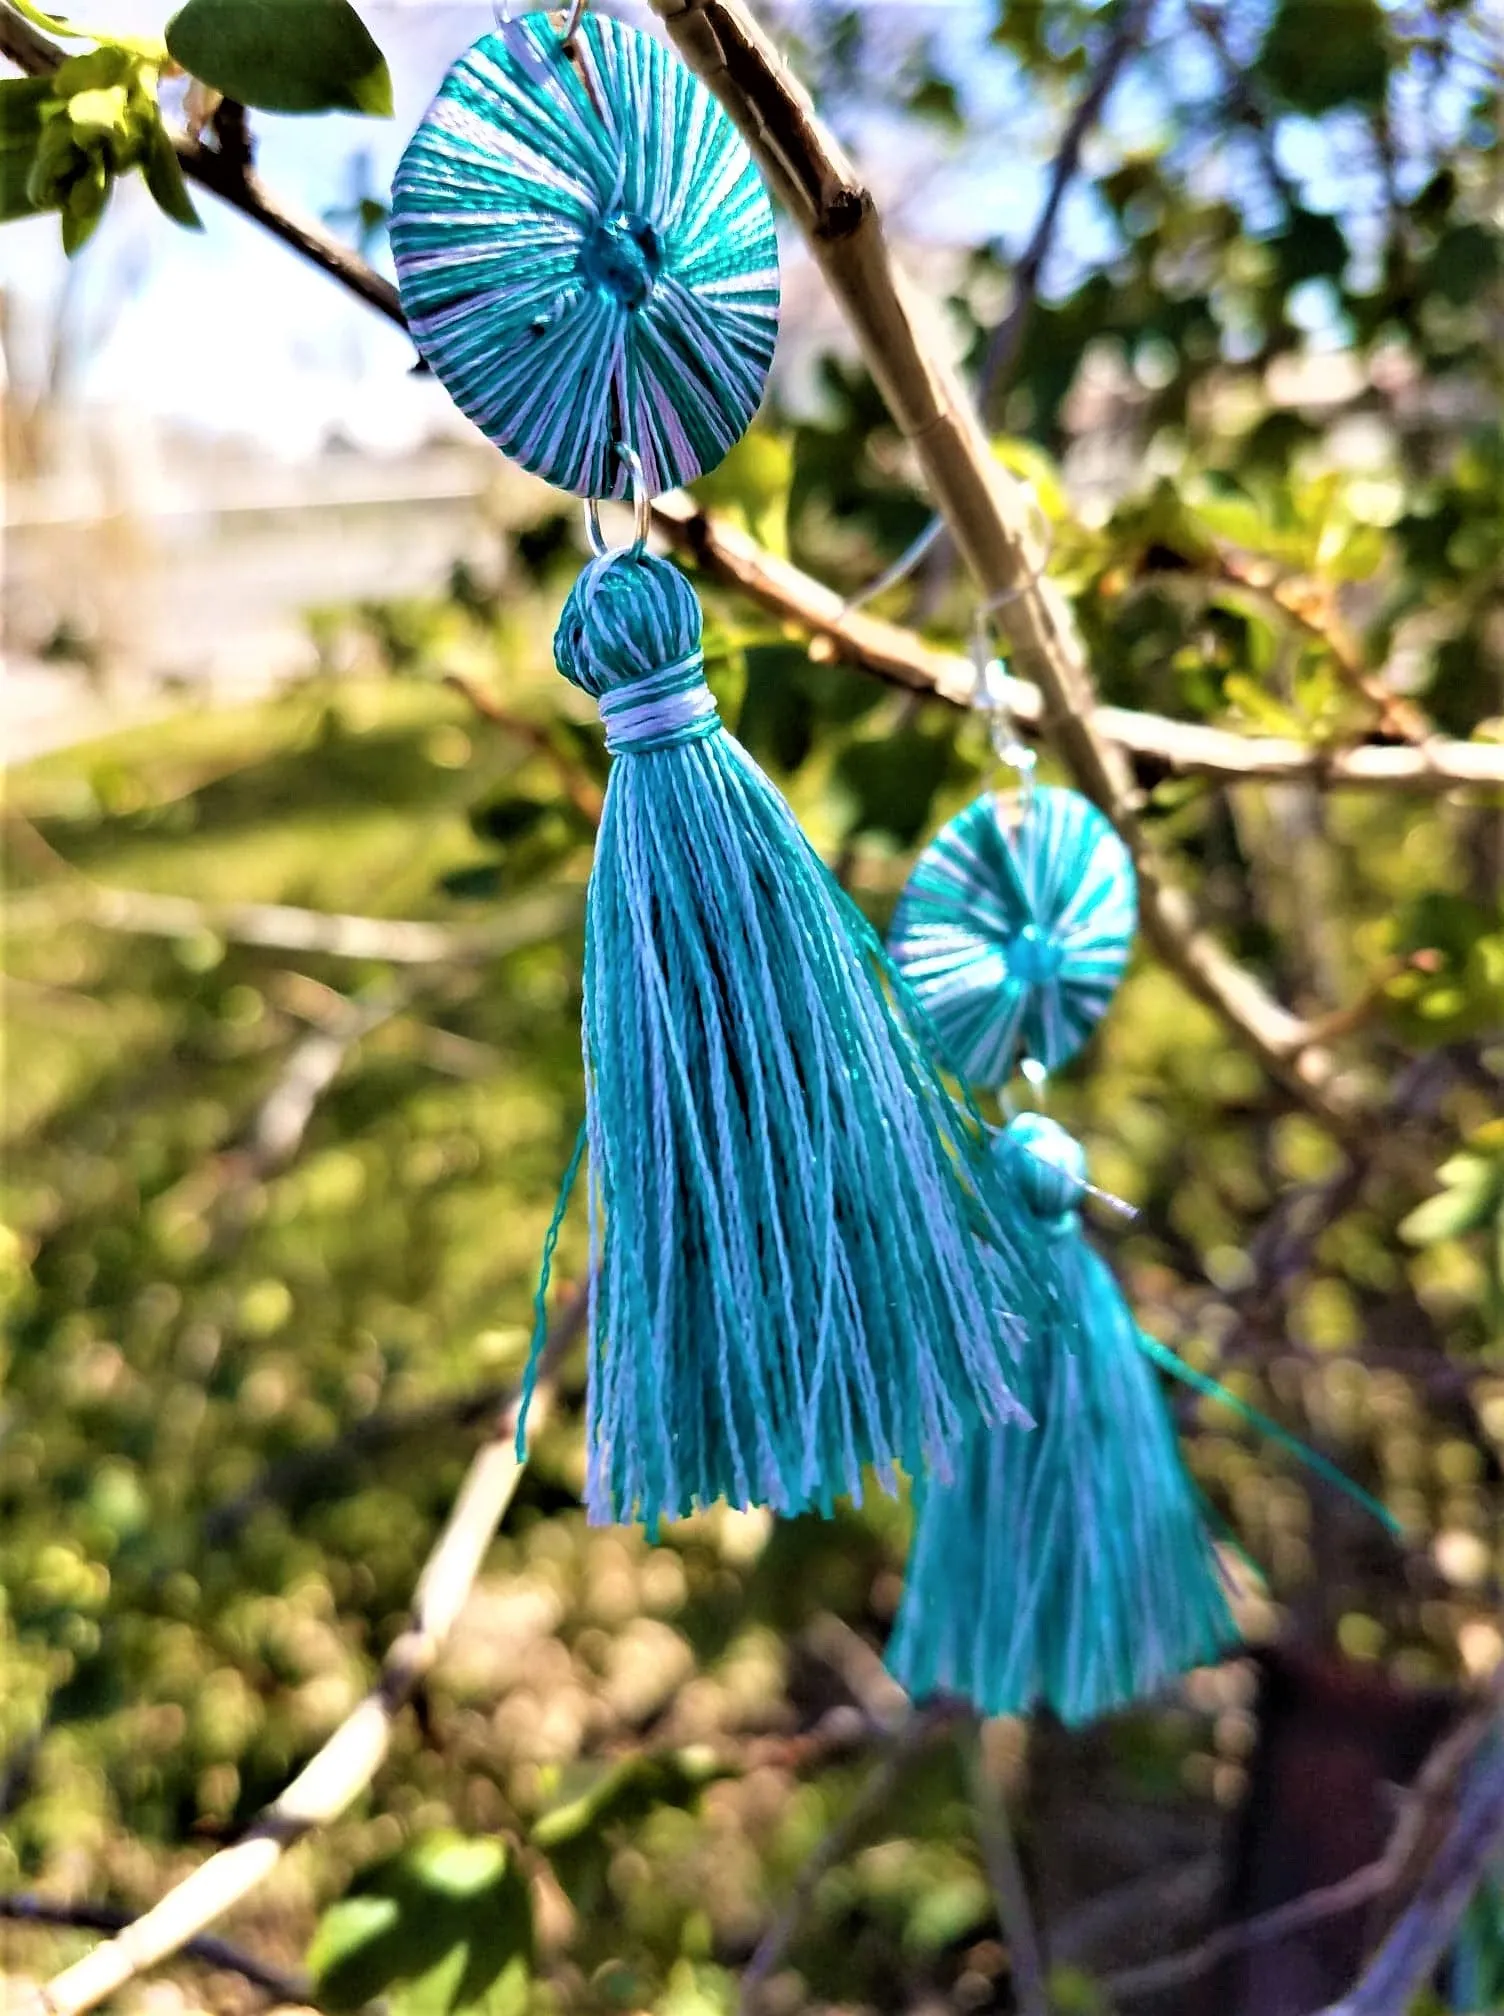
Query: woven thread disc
[1015, 937]
[586, 255]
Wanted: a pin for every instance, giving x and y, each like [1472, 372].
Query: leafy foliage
[283, 55]
[1261, 412]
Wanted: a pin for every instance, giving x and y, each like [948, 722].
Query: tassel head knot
[630, 638]
[1049, 1167]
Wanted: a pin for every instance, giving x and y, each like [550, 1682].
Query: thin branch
[1006, 1876]
[1314, 1907]
[891, 653]
[390, 940]
[920, 1728]
[282, 1119]
[24, 1909]
[350, 1759]
[1471, 1752]
[1006, 340]
[233, 180]
[1408, 1957]
[1312, 608]
[582, 791]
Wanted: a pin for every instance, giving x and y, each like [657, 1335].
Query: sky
[229, 332]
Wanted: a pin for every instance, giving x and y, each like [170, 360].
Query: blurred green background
[273, 1211]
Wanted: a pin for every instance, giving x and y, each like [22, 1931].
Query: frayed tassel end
[1072, 1567]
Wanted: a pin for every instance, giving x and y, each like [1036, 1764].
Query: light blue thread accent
[1017, 936]
[673, 706]
[790, 1213]
[1071, 1566]
[587, 255]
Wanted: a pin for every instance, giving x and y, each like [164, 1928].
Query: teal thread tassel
[789, 1212]
[1071, 1567]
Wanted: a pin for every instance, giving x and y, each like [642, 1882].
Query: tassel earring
[789, 1212]
[1072, 1567]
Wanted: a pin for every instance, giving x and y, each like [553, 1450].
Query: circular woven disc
[586, 255]
[1015, 937]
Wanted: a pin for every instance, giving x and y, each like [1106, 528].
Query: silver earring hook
[989, 698]
[642, 510]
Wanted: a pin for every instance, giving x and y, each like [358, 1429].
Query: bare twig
[1006, 340]
[281, 1120]
[582, 791]
[1406, 1960]
[1470, 1753]
[1157, 1977]
[1312, 607]
[347, 1763]
[1005, 1874]
[920, 1728]
[389, 940]
[24, 1909]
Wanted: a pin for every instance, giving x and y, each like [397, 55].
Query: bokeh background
[273, 1208]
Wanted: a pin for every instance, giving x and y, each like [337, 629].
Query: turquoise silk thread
[586, 255]
[1014, 932]
[789, 1212]
[1070, 1568]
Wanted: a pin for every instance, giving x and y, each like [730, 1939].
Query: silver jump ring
[1008, 746]
[642, 509]
[574, 15]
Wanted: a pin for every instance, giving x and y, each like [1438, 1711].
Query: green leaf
[1318, 57]
[21, 102]
[83, 207]
[96, 113]
[163, 173]
[1260, 708]
[447, 1924]
[508, 819]
[1473, 1195]
[283, 55]
[892, 782]
[580, 1835]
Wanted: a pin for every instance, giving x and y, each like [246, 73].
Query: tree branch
[922, 1725]
[986, 511]
[24, 1909]
[280, 926]
[1005, 1874]
[1408, 1957]
[887, 651]
[1006, 340]
[1473, 1754]
[350, 1759]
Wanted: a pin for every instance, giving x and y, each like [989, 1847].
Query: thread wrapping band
[671, 707]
